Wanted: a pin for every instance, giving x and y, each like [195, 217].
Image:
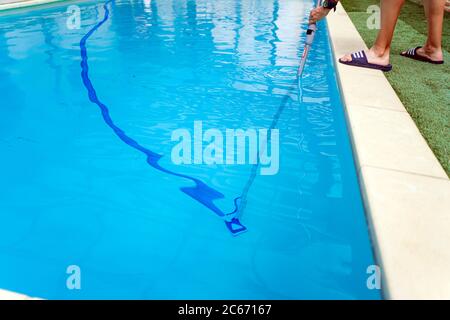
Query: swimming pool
[87, 178]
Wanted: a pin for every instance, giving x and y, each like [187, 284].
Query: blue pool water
[86, 178]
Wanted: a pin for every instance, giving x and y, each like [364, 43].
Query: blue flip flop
[412, 54]
[359, 59]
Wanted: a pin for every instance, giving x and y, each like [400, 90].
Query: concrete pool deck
[406, 192]
[405, 189]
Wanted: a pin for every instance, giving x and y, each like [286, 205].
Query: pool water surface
[86, 179]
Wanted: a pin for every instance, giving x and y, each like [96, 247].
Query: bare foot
[434, 54]
[373, 56]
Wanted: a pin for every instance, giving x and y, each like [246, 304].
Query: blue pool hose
[201, 191]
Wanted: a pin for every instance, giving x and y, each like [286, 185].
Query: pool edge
[27, 4]
[9, 295]
[403, 185]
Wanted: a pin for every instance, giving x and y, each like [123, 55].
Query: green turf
[423, 88]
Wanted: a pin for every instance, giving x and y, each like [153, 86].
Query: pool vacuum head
[235, 226]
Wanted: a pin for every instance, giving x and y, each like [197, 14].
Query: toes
[346, 58]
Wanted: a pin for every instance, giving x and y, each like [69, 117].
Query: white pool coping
[406, 191]
[25, 3]
[9, 295]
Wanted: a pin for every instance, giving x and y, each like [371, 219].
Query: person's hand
[318, 14]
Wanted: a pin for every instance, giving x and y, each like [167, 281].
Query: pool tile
[363, 88]
[410, 220]
[391, 140]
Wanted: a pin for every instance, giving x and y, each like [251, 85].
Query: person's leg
[379, 53]
[434, 11]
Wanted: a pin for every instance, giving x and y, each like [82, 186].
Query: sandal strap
[359, 55]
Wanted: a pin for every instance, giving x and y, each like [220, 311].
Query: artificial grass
[423, 88]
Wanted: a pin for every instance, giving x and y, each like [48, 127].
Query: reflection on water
[160, 65]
